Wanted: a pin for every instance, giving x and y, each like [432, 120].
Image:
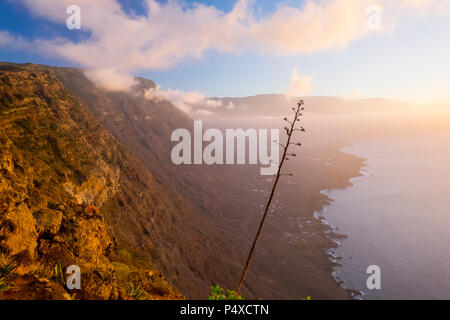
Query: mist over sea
[397, 216]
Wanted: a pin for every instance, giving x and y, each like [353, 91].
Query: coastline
[331, 231]
[393, 219]
[292, 260]
[336, 236]
[297, 248]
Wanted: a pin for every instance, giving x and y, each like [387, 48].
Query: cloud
[120, 45]
[193, 103]
[9, 40]
[110, 78]
[299, 86]
[6, 38]
[201, 113]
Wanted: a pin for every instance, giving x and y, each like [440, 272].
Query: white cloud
[201, 113]
[189, 102]
[110, 78]
[9, 40]
[121, 45]
[299, 86]
[6, 38]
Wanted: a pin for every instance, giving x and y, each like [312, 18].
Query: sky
[394, 49]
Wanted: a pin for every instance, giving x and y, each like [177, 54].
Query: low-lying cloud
[193, 103]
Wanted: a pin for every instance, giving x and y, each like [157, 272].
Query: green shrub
[136, 292]
[122, 270]
[217, 293]
[5, 286]
[6, 269]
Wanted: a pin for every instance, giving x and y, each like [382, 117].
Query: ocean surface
[396, 216]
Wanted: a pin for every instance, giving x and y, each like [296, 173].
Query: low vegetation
[136, 292]
[217, 293]
[7, 269]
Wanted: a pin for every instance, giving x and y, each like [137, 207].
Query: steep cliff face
[57, 167]
[211, 193]
[145, 127]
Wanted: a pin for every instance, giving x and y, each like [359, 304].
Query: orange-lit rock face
[59, 173]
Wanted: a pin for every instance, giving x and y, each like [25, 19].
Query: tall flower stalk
[286, 155]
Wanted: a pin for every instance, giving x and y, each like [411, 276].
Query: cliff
[70, 194]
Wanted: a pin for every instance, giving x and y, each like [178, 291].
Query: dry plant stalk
[286, 155]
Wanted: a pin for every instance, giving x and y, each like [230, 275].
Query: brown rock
[48, 220]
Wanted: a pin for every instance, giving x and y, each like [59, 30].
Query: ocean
[396, 215]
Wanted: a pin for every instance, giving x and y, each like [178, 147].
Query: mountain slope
[59, 164]
[213, 193]
[145, 128]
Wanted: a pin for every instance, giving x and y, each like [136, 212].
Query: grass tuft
[7, 268]
[136, 292]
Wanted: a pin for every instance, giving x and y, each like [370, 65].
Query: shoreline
[292, 260]
[297, 246]
[335, 235]
[393, 220]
